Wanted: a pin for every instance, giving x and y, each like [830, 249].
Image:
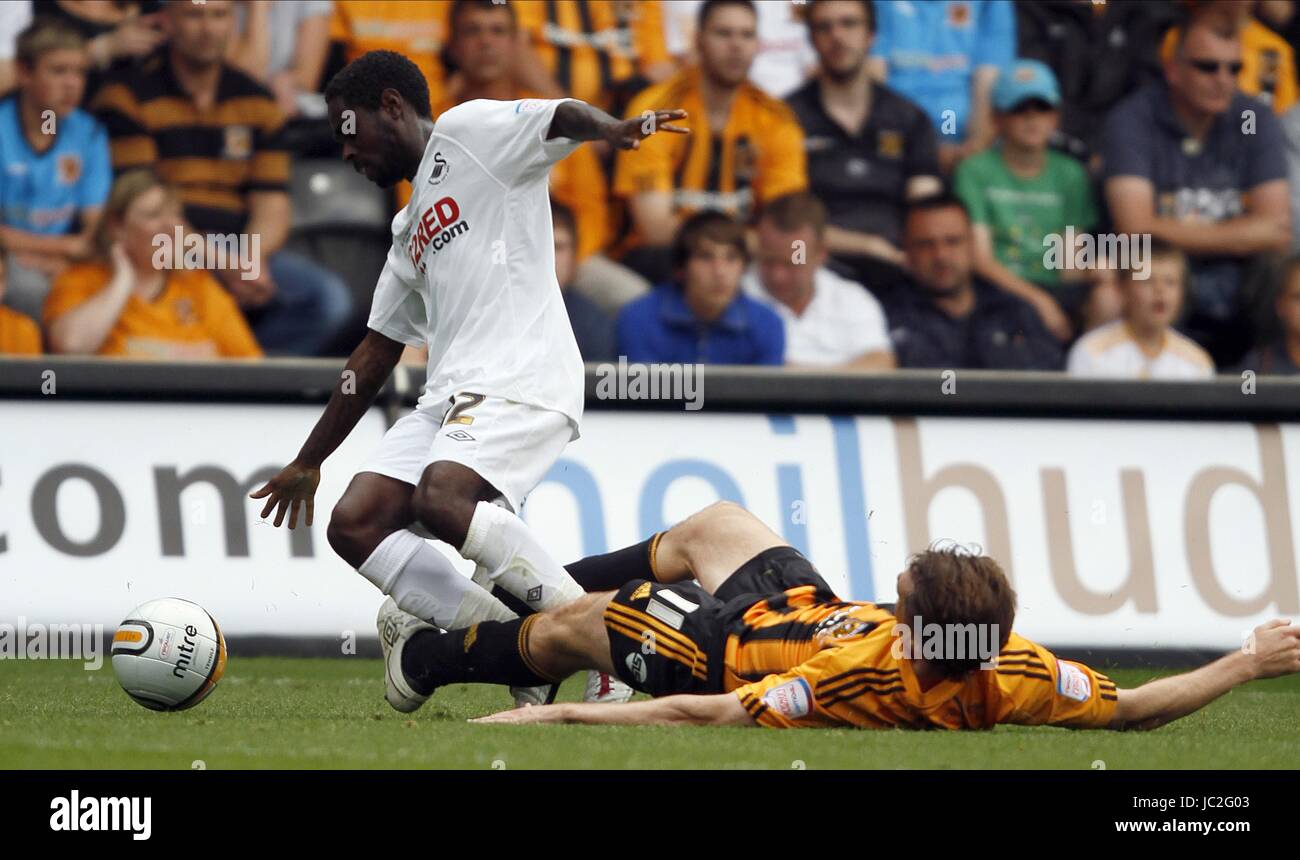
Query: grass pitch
[330, 713]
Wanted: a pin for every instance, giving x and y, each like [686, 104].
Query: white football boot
[604, 688]
[395, 628]
[529, 696]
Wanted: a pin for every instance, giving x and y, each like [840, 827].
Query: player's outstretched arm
[710, 710]
[295, 486]
[1274, 650]
[580, 121]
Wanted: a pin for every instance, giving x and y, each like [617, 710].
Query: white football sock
[424, 583]
[502, 543]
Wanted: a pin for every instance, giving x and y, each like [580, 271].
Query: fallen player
[762, 640]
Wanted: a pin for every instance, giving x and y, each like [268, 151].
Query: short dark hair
[791, 212]
[951, 586]
[710, 224]
[708, 7]
[867, 9]
[562, 219]
[362, 82]
[934, 202]
[459, 6]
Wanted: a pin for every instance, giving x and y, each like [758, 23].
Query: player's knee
[704, 525]
[350, 532]
[444, 513]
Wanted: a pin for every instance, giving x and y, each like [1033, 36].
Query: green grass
[330, 713]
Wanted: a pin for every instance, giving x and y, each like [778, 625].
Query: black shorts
[667, 639]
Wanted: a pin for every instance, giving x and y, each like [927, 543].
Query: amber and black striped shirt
[214, 157]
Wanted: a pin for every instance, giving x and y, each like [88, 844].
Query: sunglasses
[1210, 67]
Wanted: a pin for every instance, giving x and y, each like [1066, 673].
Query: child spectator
[1143, 343]
[55, 160]
[123, 304]
[702, 317]
[1282, 356]
[1021, 192]
[116, 33]
[19, 333]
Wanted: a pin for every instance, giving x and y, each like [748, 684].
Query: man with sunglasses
[1200, 166]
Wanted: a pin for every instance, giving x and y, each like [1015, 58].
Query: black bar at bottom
[305, 809]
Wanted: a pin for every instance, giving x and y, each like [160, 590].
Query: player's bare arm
[695, 710]
[295, 486]
[1274, 652]
[580, 121]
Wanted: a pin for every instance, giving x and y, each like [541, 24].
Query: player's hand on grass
[629, 133]
[526, 714]
[1274, 649]
[293, 488]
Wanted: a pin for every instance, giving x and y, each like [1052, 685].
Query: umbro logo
[460, 436]
[535, 594]
[390, 632]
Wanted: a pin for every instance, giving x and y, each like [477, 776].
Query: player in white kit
[471, 276]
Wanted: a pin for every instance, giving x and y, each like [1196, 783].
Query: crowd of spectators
[1106, 188]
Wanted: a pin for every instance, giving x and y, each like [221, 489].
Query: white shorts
[510, 445]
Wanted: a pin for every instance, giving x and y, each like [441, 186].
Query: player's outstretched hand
[1274, 648]
[293, 488]
[526, 714]
[629, 133]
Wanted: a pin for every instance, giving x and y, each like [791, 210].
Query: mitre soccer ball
[168, 654]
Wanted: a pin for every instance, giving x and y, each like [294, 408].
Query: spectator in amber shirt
[125, 304]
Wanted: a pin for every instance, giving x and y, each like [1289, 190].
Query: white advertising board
[1118, 534]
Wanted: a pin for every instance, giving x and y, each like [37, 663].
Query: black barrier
[723, 389]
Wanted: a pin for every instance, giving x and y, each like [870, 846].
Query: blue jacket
[659, 327]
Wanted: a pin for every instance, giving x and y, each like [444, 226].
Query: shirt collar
[674, 311]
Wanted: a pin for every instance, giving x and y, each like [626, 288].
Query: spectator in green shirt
[1021, 194]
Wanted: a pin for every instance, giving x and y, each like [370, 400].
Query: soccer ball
[169, 654]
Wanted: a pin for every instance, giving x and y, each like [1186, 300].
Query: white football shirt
[471, 271]
[1111, 351]
[842, 322]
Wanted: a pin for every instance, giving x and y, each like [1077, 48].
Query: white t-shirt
[785, 55]
[1111, 351]
[471, 271]
[842, 322]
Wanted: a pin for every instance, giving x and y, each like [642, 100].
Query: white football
[169, 654]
